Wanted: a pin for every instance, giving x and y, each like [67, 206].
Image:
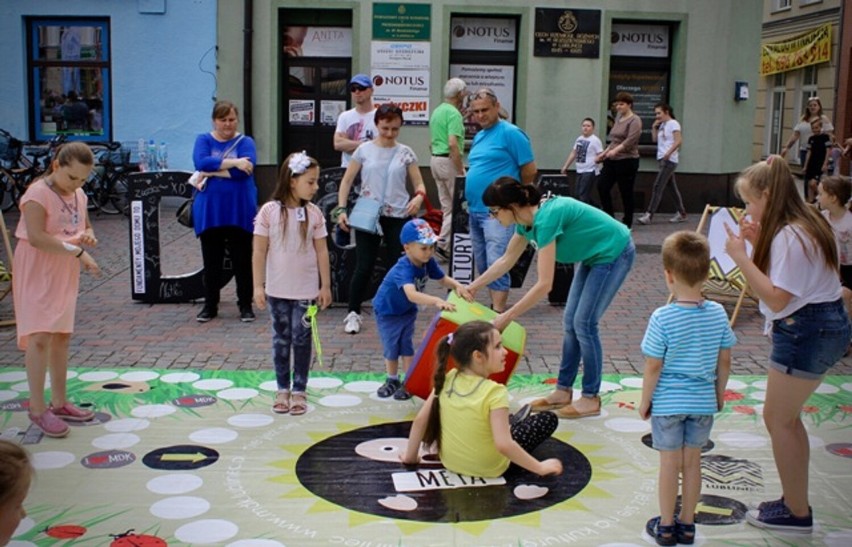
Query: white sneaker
[644, 219]
[352, 323]
[678, 218]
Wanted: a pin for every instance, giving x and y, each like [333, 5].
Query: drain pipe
[248, 31]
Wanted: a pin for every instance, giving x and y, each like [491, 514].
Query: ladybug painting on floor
[65, 531]
[129, 539]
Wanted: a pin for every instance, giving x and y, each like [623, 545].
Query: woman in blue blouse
[223, 212]
[567, 231]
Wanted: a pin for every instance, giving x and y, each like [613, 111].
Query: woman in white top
[666, 133]
[802, 130]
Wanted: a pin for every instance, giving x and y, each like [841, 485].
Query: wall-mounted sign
[648, 87]
[631, 40]
[397, 21]
[412, 55]
[810, 48]
[301, 112]
[300, 41]
[567, 33]
[498, 78]
[475, 33]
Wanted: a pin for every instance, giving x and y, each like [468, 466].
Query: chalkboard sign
[147, 282]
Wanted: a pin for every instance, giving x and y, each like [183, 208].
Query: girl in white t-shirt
[794, 272]
[833, 195]
[291, 271]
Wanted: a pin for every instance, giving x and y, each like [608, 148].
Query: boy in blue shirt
[687, 349]
[395, 303]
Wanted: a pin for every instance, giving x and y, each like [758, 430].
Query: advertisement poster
[483, 34]
[301, 112]
[330, 110]
[647, 87]
[640, 40]
[415, 110]
[412, 55]
[567, 33]
[499, 79]
[301, 41]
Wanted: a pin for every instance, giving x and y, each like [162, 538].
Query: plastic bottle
[164, 156]
[152, 155]
[140, 150]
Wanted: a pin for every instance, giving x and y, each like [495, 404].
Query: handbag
[366, 212]
[433, 217]
[199, 182]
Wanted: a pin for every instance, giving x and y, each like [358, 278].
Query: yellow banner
[808, 49]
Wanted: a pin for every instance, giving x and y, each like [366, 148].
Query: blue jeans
[680, 431]
[291, 333]
[489, 239]
[591, 292]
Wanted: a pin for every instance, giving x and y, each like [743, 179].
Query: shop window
[484, 53]
[68, 68]
[775, 141]
[640, 64]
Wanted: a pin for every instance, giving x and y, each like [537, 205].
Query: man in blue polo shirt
[499, 149]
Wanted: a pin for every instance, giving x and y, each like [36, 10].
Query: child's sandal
[663, 535]
[282, 402]
[685, 532]
[298, 404]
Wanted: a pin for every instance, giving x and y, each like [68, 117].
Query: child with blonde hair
[291, 271]
[52, 233]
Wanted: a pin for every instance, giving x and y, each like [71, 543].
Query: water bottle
[164, 156]
[152, 155]
[140, 150]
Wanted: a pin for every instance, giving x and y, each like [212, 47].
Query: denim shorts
[680, 431]
[808, 342]
[397, 334]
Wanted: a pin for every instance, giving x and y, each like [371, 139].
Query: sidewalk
[114, 331]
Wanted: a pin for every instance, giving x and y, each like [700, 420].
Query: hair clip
[450, 339]
[299, 163]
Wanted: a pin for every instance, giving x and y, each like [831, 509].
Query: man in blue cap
[356, 125]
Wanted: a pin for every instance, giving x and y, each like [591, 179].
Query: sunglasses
[354, 88]
[482, 94]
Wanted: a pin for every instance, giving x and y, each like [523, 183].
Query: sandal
[685, 532]
[570, 412]
[540, 405]
[298, 404]
[282, 402]
[663, 535]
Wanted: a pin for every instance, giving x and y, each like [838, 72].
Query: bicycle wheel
[114, 200]
[8, 190]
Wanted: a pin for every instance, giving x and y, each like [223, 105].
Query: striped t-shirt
[688, 340]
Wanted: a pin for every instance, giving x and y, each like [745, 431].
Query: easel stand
[9, 257]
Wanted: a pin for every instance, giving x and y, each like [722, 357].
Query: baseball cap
[417, 231]
[361, 79]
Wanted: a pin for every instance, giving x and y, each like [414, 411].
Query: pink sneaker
[50, 424]
[71, 413]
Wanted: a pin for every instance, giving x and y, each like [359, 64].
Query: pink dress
[44, 284]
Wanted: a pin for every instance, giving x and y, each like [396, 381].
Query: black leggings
[238, 242]
[534, 430]
[367, 247]
[621, 172]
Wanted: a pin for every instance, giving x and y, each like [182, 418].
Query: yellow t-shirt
[467, 443]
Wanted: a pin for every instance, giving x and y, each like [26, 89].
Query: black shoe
[206, 314]
[246, 315]
[520, 415]
[388, 388]
[401, 394]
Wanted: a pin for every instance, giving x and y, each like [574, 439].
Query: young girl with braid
[477, 438]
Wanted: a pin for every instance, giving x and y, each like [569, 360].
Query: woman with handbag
[383, 205]
[224, 208]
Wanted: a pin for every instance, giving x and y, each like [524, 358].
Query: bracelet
[78, 255]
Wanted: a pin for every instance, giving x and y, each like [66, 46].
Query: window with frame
[776, 113]
[782, 4]
[68, 72]
[810, 87]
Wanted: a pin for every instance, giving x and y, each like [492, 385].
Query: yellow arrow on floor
[194, 458]
[724, 511]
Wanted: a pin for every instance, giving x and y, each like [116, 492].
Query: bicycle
[107, 186]
[23, 162]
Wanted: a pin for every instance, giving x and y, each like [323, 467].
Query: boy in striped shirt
[687, 348]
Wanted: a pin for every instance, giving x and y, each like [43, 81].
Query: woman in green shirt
[567, 231]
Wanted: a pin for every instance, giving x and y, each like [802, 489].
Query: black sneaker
[778, 517]
[520, 415]
[246, 314]
[388, 388]
[206, 314]
[401, 394]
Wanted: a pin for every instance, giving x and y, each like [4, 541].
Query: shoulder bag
[366, 212]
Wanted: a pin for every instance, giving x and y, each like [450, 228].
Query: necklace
[72, 209]
[696, 303]
[453, 391]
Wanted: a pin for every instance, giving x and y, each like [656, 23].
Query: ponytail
[433, 425]
[506, 192]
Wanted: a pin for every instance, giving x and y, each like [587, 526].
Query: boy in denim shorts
[687, 348]
[396, 300]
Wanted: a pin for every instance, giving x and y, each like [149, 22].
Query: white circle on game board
[340, 401]
[847, 386]
[24, 387]
[153, 411]
[71, 374]
[212, 384]
[628, 425]
[139, 376]
[735, 385]
[741, 439]
[815, 442]
[98, 376]
[13, 376]
[255, 543]
[758, 395]
[237, 394]
[52, 460]
[606, 387]
[179, 377]
[213, 435]
[175, 483]
[8, 394]
[363, 386]
[180, 507]
[24, 526]
[126, 425]
[631, 382]
[759, 384]
[115, 441]
[272, 385]
[250, 420]
[16, 543]
[325, 382]
[838, 538]
[207, 531]
[827, 389]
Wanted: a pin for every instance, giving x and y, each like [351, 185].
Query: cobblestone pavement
[114, 331]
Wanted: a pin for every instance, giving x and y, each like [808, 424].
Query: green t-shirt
[446, 120]
[582, 233]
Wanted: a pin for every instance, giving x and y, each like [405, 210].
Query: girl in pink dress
[51, 234]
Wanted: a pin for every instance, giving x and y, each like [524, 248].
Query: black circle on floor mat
[333, 470]
[181, 457]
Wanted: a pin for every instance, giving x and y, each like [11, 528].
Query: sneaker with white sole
[678, 218]
[776, 516]
[644, 219]
[352, 323]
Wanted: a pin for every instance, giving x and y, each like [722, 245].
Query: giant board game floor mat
[198, 458]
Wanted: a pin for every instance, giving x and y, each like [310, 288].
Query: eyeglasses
[355, 88]
[483, 93]
[493, 211]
